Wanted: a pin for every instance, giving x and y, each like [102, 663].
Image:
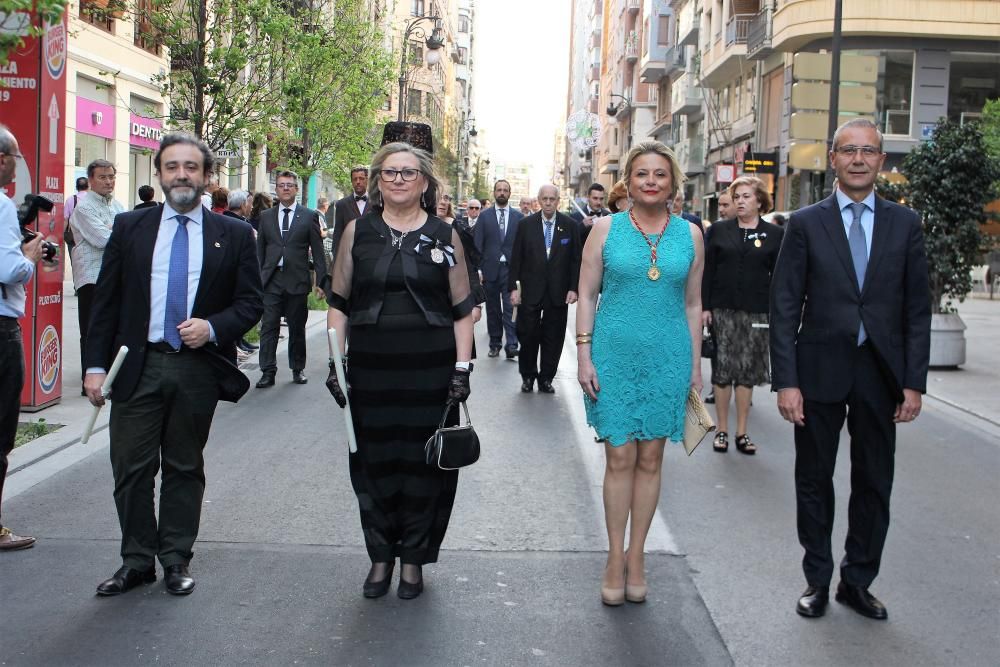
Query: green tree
[990, 125]
[14, 27]
[225, 64]
[951, 179]
[333, 84]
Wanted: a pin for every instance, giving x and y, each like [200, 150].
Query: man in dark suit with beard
[494, 235]
[545, 259]
[351, 207]
[850, 337]
[178, 286]
[287, 234]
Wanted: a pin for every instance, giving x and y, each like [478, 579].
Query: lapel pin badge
[218, 245]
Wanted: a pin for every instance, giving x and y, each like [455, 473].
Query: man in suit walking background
[546, 259]
[494, 235]
[179, 286]
[287, 234]
[850, 336]
[348, 208]
[593, 210]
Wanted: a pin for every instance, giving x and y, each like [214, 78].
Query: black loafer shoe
[511, 353]
[494, 352]
[299, 377]
[124, 580]
[813, 602]
[861, 601]
[179, 580]
[267, 380]
[528, 385]
[408, 591]
[376, 589]
[545, 387]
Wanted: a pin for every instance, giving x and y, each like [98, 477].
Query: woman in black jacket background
[739, 259]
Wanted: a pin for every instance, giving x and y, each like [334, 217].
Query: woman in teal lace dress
[639, 351]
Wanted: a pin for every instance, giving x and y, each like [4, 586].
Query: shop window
[894, 98]
[973, 79]
[88, 149]
[413, 99]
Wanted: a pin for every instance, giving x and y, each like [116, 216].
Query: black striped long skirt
[398, 374]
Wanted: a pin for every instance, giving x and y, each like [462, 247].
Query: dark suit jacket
[738, 275]
[145, 204]
[816, 306]
[694, 220]
[545, 282]
[303, 235]
[584, 229]
[229, 294]
[491, 244]
[342, 212]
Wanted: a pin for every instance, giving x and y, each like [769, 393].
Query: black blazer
[491, 244]
[817, 308]
[303, 234]
[737, 275]
[545, 282]
[343, 211]
[229, 293]
[584, 229]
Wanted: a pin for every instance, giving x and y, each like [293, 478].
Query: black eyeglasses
[850, 150]
[389, 175]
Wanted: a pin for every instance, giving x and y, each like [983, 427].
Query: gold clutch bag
[697, 422]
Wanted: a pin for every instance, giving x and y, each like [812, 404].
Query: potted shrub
[950, 178]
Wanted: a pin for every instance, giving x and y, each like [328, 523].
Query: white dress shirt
[548, 250]
[291, 221]
[161, 266]
[361, 204]
[506, 224]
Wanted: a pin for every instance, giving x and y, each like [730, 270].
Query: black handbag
[453, 447]
[707, 344]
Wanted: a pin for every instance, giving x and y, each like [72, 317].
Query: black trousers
[543, 328]
[294, 308]
[869, 409]
[499, 311]
[165, 422]
[84, 301]
[11, 384]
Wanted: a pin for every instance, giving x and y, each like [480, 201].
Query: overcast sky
[522, 63]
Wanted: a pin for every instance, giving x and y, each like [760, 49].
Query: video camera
[27, 213]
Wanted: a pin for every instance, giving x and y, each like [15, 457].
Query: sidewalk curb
[961, 413]
[69, 435]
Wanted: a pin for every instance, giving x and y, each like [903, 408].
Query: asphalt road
[280, 560]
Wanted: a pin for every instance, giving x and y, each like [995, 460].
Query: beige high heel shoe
[634, 593]
[612, 597]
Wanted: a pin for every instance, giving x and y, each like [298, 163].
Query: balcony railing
[632, 46]
[736, 29]
[759, 34]
[633, 5]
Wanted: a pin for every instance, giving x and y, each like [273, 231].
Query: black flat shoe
[813, 602]
[494, 352]
[266, 380]
[376, 589]
[861, 601]
[545, 387]
[511, 353]
[179, 581]
[408, 591]
[124, 580]
[528, 385]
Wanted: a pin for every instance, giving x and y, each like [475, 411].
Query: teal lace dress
[642, 345]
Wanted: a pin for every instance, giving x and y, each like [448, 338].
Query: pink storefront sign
[95, 118]
[145, 132]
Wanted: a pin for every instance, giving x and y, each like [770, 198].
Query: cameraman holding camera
[17, 267]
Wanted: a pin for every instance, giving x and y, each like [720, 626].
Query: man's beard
[501, 200]
[182, 201]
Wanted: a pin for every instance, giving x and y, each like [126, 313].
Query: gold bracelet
[586, 333]
[584, 342]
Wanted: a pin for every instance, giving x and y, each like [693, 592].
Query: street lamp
[434, 41]
[613, 109]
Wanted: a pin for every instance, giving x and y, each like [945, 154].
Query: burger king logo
[54, 47]
[49, 360]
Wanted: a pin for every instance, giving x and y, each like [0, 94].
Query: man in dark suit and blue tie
[494, 235]
[546, 260]
[850, 337]
[288, 233]
[178, 286]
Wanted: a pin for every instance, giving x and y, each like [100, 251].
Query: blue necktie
[548, 237]
[177, 285]
[859, 253]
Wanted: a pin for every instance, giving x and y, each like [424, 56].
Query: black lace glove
[334, 386]
[458, 387]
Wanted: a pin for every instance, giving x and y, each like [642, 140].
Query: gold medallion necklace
[654, 272]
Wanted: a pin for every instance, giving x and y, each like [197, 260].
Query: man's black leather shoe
[861, 601]
[545, 387]
[125, 579]
[299, 377]
[813, 602]
[179, 580]
[511, 353]
[266, 380]
[494, 352]
[528, 385]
